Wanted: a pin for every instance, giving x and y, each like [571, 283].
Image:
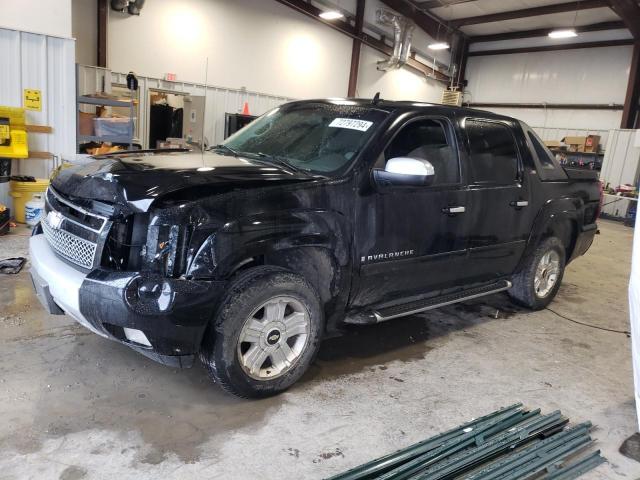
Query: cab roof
[402, 106]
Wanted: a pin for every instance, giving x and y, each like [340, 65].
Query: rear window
[494, 155]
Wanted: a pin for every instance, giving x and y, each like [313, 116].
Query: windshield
[316, 137]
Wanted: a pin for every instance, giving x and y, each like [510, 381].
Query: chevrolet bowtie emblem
[54, 219]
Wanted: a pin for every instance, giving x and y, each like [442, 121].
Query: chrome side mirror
[405, 171]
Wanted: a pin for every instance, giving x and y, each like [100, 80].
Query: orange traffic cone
[245, 110]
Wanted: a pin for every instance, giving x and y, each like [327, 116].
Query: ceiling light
[439, 46]
[564, 33]
[331, 15]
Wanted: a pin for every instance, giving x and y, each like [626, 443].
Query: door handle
[454, 210]
[519, 203]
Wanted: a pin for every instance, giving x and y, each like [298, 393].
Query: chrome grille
[73, 248]
[73, 232]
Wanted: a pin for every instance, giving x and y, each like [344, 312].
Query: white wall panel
[46, 64]
[582, 76]
[46, 17]
[261, 45]
[594, 75]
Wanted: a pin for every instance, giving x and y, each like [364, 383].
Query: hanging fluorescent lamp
[438, 46]
[331, 15]
[563, 33]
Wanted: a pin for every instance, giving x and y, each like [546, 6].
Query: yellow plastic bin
[22, 192]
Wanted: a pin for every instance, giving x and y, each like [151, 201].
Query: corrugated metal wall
[621, 159]
[47, 64]
[219, 100]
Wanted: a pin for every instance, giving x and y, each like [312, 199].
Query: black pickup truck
[318, 214]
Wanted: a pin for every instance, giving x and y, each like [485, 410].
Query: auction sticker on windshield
[351, 123]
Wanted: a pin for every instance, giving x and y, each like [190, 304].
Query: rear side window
[493, 152]
[544, 156]
[546, 163]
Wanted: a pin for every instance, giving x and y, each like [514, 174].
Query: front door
[413, 240]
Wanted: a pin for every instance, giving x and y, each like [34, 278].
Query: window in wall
[428, 140]
[493, 153]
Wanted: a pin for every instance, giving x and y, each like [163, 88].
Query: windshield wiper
[271, 159]
[282, 163]
[221, 146]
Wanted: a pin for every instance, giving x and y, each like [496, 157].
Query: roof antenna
[376, 99]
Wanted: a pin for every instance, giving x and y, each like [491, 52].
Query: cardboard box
[575, 144]
[591, 143]
[85, 126]
[582, 144]
[553, 144]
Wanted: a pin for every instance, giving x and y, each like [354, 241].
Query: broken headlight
[166, 248]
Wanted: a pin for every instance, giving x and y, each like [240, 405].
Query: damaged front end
[130, 272]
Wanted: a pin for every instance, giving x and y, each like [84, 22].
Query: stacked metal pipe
[512, 443]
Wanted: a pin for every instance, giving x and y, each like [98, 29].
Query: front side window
[429, 140]
[493, 153]
[316, 137]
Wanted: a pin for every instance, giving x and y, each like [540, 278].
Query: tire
[265, 334]
[525, 291]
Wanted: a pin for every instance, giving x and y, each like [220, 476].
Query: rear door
[499, 211]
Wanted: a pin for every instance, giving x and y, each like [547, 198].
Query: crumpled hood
[137, 180]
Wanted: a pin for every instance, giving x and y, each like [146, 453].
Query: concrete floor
[75, 406]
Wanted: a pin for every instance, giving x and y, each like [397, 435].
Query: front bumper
[172, 314]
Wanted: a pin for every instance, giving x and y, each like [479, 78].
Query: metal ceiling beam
[314, 12]
[552, 48]
[348, 29]
[531, 12]
[543, 32]
[629, 11]
[427, 4]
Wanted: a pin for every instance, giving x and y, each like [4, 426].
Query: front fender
[263, 235]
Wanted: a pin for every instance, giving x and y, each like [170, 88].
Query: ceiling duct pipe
[402, 36]
[406, 43]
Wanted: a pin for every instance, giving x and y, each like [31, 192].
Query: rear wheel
[538, 282]
[266, 333]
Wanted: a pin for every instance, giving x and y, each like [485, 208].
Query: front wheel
[538, 282]
[266, 334]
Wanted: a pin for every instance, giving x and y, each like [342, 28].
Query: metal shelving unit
[100, 102]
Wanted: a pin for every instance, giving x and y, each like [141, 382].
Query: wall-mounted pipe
[402, 37]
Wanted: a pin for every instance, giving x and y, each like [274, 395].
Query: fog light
[136, 336]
